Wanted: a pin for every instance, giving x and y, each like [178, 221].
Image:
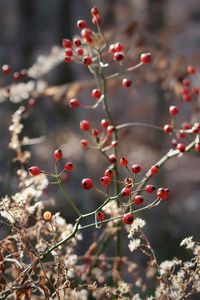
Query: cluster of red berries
[35, 170]
[187, 91]
[6, 70]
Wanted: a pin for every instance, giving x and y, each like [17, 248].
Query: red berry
[167, 128]
[95, 132]
[34, 171]
[85, 125]
[68, 59]
[79, 51]
[112, 158]
[16, 76]
[150, 188]
[110, 129]
[124, 161]
[68, 166]
[77, 42]
[87, 183]
[81, 24]
[186, 126]
[181, 134]
[68, 52]
[87, 60]
[6, 69]
[126, 83]
[186, 82]
[187, 97]
[31, 103]
[185, 91]
[105, 180]
[126, 192]
[154, 170]
[173, 110]
[111, 48]
[96, 93]
[66, 43]
[100, 216]
[94, 11]
[74, 103]
[195, 91]
[84, 143]
[96, 20]
[197, 147]
[162, 193]
[118, 56]
[118, 47]
[181, 147]
[86, 33]
[104, 123]
[58, 154]
[128, 219]
[109, 173]
[128, 182]
[138, 200]
[196, 128]
[191, 70]
[114, 144]
[145, 58]
[136, 168]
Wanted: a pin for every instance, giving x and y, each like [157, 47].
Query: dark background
[171, 31]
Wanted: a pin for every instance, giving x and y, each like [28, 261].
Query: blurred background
[31, 33]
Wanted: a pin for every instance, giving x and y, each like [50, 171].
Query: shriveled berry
[79, 51]
[105, 180]
[87, 183]
[128, 219]
[186, 82]
[114, 144]
[58, 154]
[34, 170]
[77, 42]
[136, 168]
[124, 161]
[145, 58]
[181, 147]
[149, 188]
[138, 200]
[196, 128]
[100, 216]
[154, 169]
[47, 216]
[195, 91]
[126, 192]
[85, 125]
[68, 166]
[74, 103]
[181, 134]
[96, 20]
